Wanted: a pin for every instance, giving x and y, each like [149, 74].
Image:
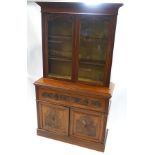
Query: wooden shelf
[60, 59]
[59, 76]
[55, 41]
[58, 39]
[92, 38]
[59, 36]
[88, 62]
[90, 80]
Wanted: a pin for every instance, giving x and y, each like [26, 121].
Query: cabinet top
[79, 7]
[77, 87]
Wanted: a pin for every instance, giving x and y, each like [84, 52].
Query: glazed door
[60, 39]
[77, 47]
[93, 47]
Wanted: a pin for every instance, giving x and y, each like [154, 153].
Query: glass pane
[91, 73]
[93, 47]
[60, 68]
[60, 45]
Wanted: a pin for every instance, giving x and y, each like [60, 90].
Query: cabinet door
[94, 35]
[60, 33]
[54, 118]
[87, 125]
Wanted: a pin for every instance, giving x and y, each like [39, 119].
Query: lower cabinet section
[72, 112]
[73, 125]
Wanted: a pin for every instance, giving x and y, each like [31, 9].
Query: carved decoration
[86, 126]
[52, 119]
[82, 101]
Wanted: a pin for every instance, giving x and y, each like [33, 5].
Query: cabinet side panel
[39, 115]
[110, 51]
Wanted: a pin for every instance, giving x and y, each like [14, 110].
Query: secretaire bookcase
[73, 96]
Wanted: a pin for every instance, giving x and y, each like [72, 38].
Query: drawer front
[87, 125]
[70, 99]
[54, 118]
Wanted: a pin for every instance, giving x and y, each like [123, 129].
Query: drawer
[71, 99]
[87, 125]
[53, 118]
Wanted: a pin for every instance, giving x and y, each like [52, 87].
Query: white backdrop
[131, 120]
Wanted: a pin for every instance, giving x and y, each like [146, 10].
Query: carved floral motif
[52, 119]
[82, 101]
[86, 126]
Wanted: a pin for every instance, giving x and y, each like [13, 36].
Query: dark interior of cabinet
[60, 34]
[93, 47]
[90, 49]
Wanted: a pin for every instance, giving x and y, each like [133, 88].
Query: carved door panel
[55, 118]
[87, 125]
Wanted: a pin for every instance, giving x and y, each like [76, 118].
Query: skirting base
[73, 140]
